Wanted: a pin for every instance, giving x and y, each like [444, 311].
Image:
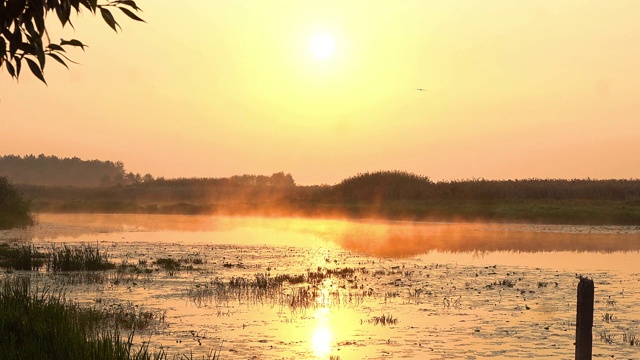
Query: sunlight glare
[322, 46]
[321, 341]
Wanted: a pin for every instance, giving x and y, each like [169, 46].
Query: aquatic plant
[629, 337]
[37, 321]
[168, 263]
[297, 292]
[606, 337]
[73, 258]
[23, 257]
[607, 317]
[383, 320]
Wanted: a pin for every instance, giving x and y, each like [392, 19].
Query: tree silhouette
[14, 210]
[54, 171]
[24, 36]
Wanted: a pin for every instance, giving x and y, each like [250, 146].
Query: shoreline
[541, 212]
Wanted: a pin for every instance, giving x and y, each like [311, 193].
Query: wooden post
[584, 319]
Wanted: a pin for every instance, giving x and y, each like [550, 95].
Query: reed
[84, 257]
[383, 320]
[23, 257]
[38, 323]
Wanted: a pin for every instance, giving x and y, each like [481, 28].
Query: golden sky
[515, 89]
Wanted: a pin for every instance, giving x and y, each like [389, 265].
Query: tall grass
[38, 324]
[23, 257]
[83, 257]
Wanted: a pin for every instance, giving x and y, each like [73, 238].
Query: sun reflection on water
[322, 335]
[321, 341]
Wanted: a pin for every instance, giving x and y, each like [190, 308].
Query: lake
[356, 289]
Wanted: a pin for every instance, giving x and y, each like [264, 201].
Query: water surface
[456, 290]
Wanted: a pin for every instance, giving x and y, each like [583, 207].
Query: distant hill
[54, 171]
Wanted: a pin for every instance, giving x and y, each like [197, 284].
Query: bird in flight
[421, 89]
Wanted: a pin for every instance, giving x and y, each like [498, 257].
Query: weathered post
[584, 319]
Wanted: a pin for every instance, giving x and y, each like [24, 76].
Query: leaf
[40, 23]
[94, 5]
[27, 48]
[69, 60]
[62, 15]
[39, 51]
[73, 42]
[76, 5]
[17, 7]
[31, 30]
[131, 4]
[58, 59]
[55, 47]
[18, 65]
[130, 14]
[109, 19]
[35, 69]
[10, 69]
[15, 41]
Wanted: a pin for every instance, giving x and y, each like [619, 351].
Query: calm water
[455, 290]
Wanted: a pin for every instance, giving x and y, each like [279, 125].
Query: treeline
[382, 194]
[399, 185]
[153, 195]
[54, 171]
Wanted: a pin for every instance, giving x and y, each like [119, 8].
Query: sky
[514, 90]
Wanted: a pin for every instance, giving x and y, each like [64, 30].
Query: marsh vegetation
[261, 293]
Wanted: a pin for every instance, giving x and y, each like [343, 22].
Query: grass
[38, 324]
[630, 338]
[168, 263]
[23, 257]
[298, 292]
[84, 257]
[383, 320]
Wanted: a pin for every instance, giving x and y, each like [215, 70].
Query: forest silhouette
[66, 185]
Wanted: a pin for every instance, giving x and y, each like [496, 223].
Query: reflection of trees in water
[385, 239]
[476, 254]
[406, 241]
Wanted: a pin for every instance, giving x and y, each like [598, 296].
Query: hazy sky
[516, 89]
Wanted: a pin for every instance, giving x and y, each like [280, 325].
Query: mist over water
[577, 246]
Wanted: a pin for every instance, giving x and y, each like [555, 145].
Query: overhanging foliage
[24, 37]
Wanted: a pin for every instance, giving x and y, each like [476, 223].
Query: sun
[322, 46]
